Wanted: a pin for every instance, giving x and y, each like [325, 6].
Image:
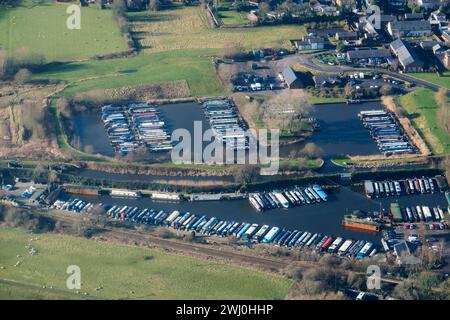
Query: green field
[422, 109]
[125, 272]
[194, 66]
[42, 29]
[442, 80]
[232, 17]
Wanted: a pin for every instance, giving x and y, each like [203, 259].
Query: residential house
[310, 43]
[341, 3]
[446, 37]
[399, 29]
[446, 59]
[428, 45]
[438, 16]
[438, 19]
[404, 252]
[397, 5]
[322, 81]
[386, 18]
[326, 10]
[413, 16]
[368, 56]
[294, 80]
[437, 49]
[346, 36]
[406, 55]
[430, 4]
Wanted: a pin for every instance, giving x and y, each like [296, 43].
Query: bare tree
[245, 174]
[154, 5]
[285, 111]
[311, 151]
[233, 50]
[3, 63]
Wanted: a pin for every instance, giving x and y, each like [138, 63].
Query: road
[307, 61]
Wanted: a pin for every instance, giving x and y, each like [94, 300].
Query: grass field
[42, 29]
[315, 99]
[442, 80]
[188, 28]
[125, 271]
[233, 17]
[194, 66]
[422, 108]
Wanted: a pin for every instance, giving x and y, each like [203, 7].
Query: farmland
[41, 29]
[188, 28]
[422, 109]
[144, 273]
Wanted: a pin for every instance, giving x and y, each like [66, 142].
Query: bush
[20, 218]
[22, 76]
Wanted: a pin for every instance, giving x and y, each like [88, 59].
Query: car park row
[213, 226]
[287, 198]
[134, 125]
[387, 132]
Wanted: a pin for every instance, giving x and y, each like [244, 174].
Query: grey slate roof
[405, 53]
[414, 25]
[289, 75]
[365, 54]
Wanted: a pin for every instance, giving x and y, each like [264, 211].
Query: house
[430, 4]
[367, 27]
[369, 56]
[386, 18]
[413, 16]
[310, 43]
[446, 36]
[437, 49]
[346, 36]
[438, 16]
[397, 5]
[322, 81]
[404, 253]
[407, 57]
[341, 3]
[325, 10]
[428, 45]
[446, 59]
[416, 28]
[294, 80]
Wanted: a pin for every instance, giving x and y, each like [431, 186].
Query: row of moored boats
[213, 226]
[129, 127]
[287, 198]
[400, 187]
[226, 124]
[387, 132]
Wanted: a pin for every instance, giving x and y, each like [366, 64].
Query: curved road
[307, 61]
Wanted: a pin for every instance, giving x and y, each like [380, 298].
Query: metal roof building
[406, 56]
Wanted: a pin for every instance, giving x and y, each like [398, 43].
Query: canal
[323, 217]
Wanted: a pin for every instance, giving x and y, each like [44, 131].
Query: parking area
[24, 192]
